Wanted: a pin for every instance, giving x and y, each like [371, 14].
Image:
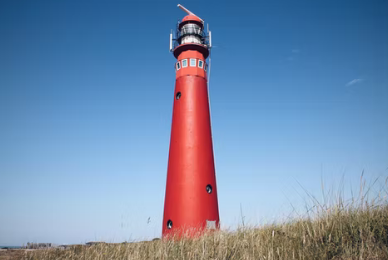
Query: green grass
[354, 229]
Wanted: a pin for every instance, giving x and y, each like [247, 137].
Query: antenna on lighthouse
[171, 46]
[210, 39]
[189, 12]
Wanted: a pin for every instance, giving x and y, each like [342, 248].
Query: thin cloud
[294, 55]
[352, 82]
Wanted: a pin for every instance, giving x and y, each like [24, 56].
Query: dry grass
[356, 229]
[8, 254]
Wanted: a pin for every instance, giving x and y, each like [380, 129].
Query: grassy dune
[346, 230]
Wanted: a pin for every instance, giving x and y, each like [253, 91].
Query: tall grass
[347, 229]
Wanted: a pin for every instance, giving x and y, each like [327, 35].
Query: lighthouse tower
[191, 204]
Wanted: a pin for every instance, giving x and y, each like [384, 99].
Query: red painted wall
[191, 163]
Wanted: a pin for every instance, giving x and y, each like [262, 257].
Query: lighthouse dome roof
[191, 19]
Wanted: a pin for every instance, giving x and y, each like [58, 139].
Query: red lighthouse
[191, 192]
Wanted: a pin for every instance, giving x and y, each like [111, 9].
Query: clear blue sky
[299, 93]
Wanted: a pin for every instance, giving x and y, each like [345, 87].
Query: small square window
[178, 65]
[193, 62]
[205, 67]
[184, 63]
[200, 64]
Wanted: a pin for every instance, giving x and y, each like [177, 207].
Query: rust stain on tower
[191, 192]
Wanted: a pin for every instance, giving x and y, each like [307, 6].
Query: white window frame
[199, 62]
[183, 66]
[195, 62]
[178, 65]
[205, 67]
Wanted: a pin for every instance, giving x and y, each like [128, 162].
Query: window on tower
[184, 63]
[193, 62]
[205, 67]
[200, 64]
[178, 65]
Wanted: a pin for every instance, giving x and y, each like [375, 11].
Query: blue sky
[298, 89]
